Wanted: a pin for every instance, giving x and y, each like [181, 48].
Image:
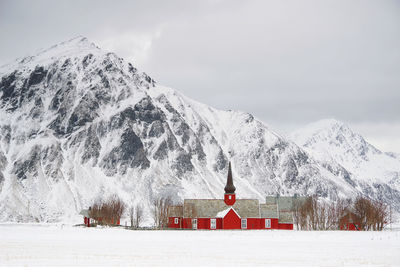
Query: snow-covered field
[56, 245]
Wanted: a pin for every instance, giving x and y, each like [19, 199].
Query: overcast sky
[287, 62]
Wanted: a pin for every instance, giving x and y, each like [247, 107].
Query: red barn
[232, 213]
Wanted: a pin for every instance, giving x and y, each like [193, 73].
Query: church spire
[229, 188]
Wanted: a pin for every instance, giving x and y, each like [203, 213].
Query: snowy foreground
[56, 245]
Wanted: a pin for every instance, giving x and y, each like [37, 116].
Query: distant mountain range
[78, 123]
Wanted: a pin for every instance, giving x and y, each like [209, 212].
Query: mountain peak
[326, 124]
[76, 46]
[329, 127]
[78, 42]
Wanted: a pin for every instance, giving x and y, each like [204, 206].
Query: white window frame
[243, 223]
[176, 220]
[213, 223]
[230, 197]
[267, 223]
[194, 223]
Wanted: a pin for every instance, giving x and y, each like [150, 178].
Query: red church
[232, 213]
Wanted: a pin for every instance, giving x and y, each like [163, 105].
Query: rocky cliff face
[78, 123]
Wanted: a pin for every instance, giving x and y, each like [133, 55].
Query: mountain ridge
[79, 124]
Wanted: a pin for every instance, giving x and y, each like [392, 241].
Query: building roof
[285, 203]
[268, 210]
[285, 217]
[84, 213]
[209, 208]
[175, 211]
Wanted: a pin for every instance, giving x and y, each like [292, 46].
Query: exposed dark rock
[87, 60]
[291, 171]
[147, 112]
[182, 163]
[92, 146]
[339, 171]
[28, 165]
[3, 161]
[86, 111]
[221, 161]
[129, 154]
[161, 152]
[301, 158]
[198, 150]
[156, 129]
[7, 85]
[66, 64]
[6, 133]
[37, 76]
[37, 110]
[51, 161]
[62, 96]
[102, 93]
[131, 68]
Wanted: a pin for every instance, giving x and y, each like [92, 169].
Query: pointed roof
[229, 188]
[223, 213]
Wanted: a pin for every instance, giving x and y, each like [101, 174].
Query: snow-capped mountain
[376, 173]
[78, 123]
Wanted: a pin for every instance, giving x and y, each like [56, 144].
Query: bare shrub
[160, 210]
[315, 214]
[131, 215]
[108, 212]
[138, 215]
[372, 215]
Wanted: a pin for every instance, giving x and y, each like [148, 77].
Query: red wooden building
[349, 222]
[232, 213]
[86, 218]
[88, 221]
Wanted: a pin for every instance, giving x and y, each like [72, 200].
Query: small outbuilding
[349, 221]
[86, 218]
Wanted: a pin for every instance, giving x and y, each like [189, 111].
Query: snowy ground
[56, 245]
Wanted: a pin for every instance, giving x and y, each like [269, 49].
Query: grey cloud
[287, 62]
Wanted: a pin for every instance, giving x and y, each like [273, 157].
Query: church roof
[285, 203]
[269, 211]
[209, 208]
[175, 211]
[285, 217]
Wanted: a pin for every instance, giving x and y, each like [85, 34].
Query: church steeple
[229, 197]
[229, 188]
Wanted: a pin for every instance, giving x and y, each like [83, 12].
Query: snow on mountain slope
[333, 141]
[78, 123]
